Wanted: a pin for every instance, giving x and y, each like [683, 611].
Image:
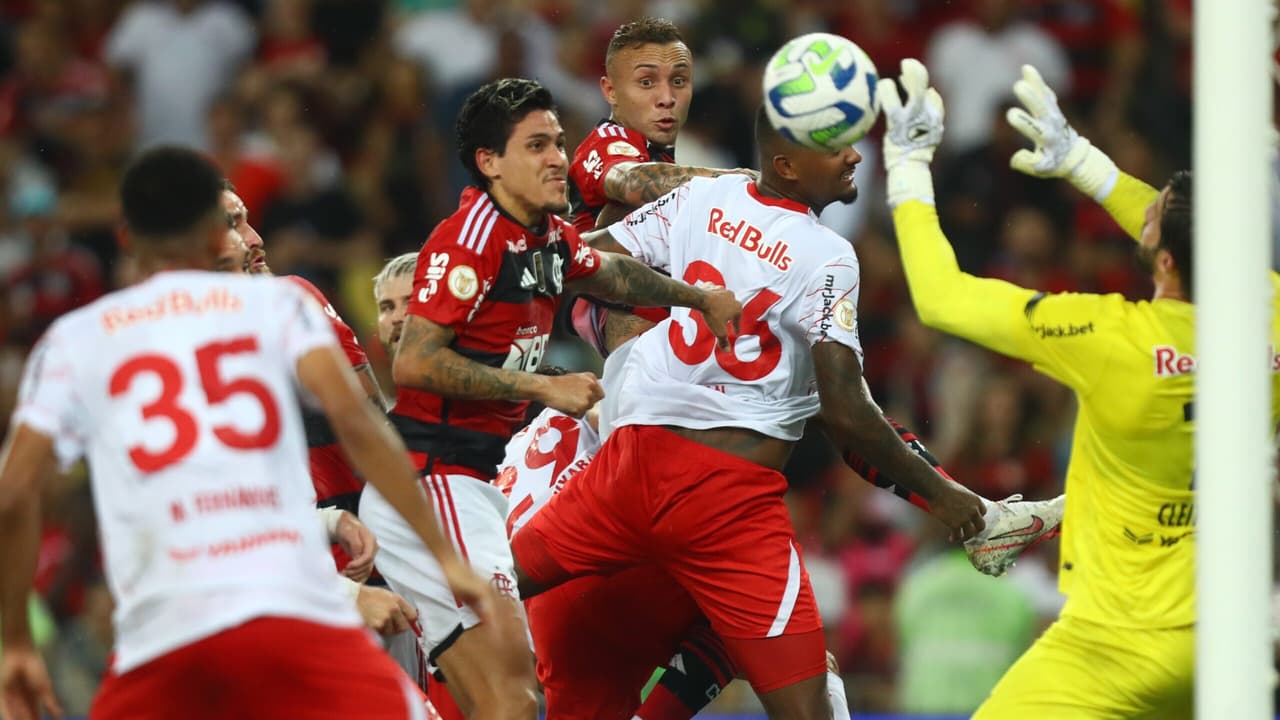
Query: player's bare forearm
[26, 459]
[623, 279]
[425, 361]
[635, 184]
[369, 382]
[604, 241]
[856, 424]
[374, 448]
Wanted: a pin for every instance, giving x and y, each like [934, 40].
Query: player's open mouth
[667, 124]
[847, 176]
[258, 259]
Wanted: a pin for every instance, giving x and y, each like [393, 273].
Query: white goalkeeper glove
[1060, 151]
[912, 132]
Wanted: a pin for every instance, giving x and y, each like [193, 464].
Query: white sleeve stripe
[488, 227]
[480, 207]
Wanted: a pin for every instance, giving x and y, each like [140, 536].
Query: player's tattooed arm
[635, 184]
[425, 361]
[856, 425]
[623, 279]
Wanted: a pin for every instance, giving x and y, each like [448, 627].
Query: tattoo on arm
[635, 184]
[623, 279]
[425, 361]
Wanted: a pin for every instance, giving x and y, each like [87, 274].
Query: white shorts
[472, 514]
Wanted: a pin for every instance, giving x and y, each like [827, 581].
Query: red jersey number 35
[217, 389]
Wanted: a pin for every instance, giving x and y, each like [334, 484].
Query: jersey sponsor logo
[622, 147]
[463, 282]
[594, 164]
[438, 263]
[176, 303]
[1171, 363]
[584, 256]
[518, 246]
[749, 238]
[1176, 514]
[526, 353]
[1053, 332]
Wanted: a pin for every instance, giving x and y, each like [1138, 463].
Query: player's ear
[606, 89]
[487, 162]
[1165, 262]
[784, 167]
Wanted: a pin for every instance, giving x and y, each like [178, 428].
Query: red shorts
[716, 523]
[598, 640]
[266, 668]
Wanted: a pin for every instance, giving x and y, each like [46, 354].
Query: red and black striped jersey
[497, 285]
[605, 146]
[335, 481]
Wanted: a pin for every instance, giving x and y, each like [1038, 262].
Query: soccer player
[628, 159]
[234, 257]
[392, 290]
[337, 485]
[180, 390]
[1124, 643]
[715, 520]
[487, 285]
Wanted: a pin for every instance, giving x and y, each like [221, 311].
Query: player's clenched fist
[572, 393]
[959, 509]
[722, 312]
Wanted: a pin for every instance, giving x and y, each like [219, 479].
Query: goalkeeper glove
[912, 132]
[1060, 151]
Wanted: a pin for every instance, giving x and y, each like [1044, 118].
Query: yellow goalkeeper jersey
[1128, 536]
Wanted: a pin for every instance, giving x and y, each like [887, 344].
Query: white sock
[835, 693]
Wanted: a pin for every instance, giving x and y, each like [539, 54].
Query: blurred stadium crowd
[334, 119]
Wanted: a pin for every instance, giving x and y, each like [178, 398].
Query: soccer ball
[820, 91]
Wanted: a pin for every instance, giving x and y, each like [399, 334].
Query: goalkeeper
[1124, 644]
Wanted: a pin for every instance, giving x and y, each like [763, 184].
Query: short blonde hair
[397, 266]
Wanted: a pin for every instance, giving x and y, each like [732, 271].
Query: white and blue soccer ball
[820, 91]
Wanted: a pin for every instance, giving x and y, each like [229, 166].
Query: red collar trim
[784, 203]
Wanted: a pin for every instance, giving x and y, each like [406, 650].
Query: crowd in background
[334, 120]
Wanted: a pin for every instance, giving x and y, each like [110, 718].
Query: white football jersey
[181, 392]
[540, 459]
[798, 285]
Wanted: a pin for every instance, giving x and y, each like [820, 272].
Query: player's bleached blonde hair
[397, 266]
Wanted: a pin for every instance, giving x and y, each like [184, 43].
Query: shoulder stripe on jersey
[484, 234]
[479, 207]
[603, 130]
[473, 237]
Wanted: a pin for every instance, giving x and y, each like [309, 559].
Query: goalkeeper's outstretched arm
[1062, 152]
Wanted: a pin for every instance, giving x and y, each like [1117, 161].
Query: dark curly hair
[490, 113]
